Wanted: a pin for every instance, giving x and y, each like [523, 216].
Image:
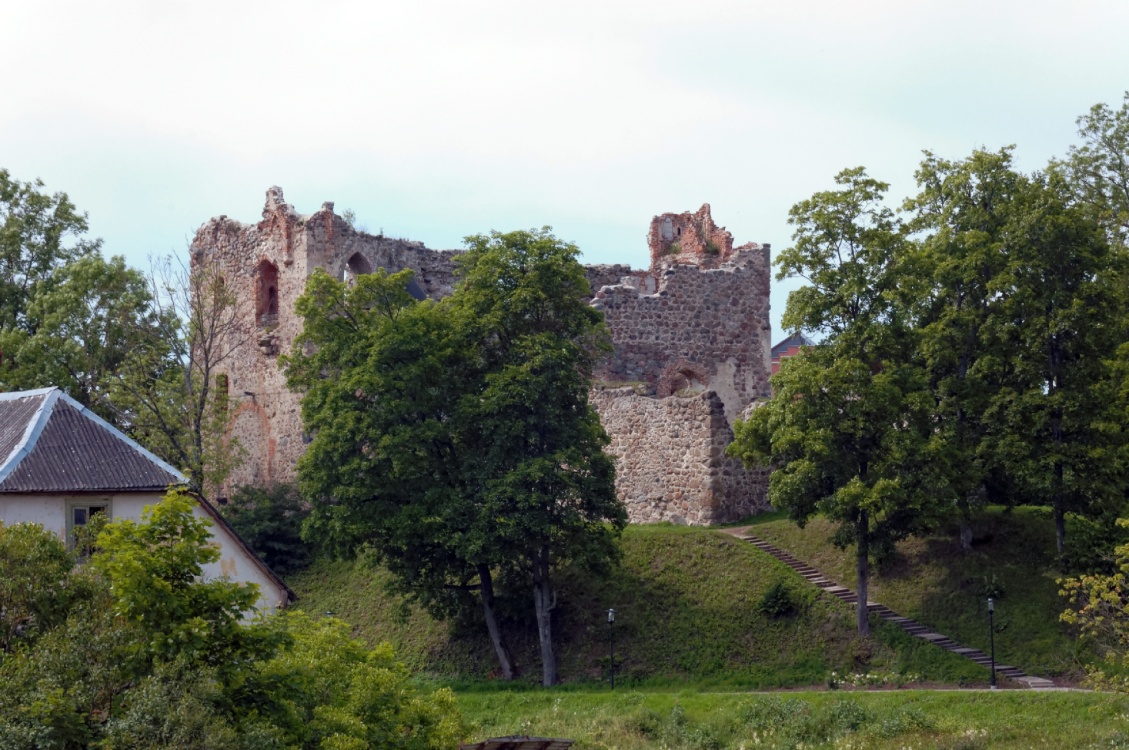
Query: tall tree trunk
[965, 508]
[505, 661]
[1058, 502]
[1060, 529]
[543, 603]
[863, 567]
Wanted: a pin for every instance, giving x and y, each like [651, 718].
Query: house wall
[235, 561]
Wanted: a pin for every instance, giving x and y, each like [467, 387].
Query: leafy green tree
[36, 589]
[142, 352]
[388, 467]
[143, 604]
[151, 655]
[848, 427]
[270, 520]
[545, 480]
[1097, 171]
[39, 233]
[90, 318]
[1059, 319]
[962, 215]
[155, 569]
[456, 438]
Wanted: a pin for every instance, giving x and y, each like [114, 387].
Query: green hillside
[687, 610]
[932, 581]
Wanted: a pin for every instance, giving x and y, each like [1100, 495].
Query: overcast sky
[434, 120]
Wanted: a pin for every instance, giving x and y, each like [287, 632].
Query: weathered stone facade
[690, 334]
[671, 463]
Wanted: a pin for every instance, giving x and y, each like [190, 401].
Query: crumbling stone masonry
[690, 335]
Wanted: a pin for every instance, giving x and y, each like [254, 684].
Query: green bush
[153, 656]
[34, 590]
[778, 601]
[270, 520]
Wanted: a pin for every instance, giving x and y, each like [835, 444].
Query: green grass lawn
[932, 581]
[626, 720]
[687, 611]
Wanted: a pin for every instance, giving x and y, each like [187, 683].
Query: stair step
[812, 575]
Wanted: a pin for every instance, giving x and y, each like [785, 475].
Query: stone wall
[701, 328]
[289, 246]
[670, 458]
[692, 332]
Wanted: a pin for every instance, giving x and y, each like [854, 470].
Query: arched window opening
[358, 265]
[682, 379]
[266, 296]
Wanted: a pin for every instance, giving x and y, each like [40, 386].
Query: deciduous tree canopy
[456, 438]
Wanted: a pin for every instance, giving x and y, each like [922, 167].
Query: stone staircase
[911, 626]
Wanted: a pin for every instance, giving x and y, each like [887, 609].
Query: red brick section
[791, 351]
[914, 628]
[689, 238]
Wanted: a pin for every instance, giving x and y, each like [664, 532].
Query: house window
[82, 512]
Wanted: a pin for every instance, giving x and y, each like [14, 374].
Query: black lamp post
[611, 643]
[992, 636]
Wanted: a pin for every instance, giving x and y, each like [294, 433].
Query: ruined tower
[690, 336]
[691, 340]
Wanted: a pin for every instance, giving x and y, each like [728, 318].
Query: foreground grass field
[687, 603]
[718, 721]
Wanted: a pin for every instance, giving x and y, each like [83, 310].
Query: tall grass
[631, 720]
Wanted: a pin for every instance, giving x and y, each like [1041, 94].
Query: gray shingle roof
[17, 414]
[796, 339]
[51, 443]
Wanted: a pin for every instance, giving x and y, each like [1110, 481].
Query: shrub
[847, 715]
[34, 594]
[778, 601]
[153, 656]
[270, 520]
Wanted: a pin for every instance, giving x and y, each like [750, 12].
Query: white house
[60, 464]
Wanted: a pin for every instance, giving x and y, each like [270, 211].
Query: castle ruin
[690, 337]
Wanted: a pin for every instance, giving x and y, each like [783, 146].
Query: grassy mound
[932, 581]
[688, 607]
